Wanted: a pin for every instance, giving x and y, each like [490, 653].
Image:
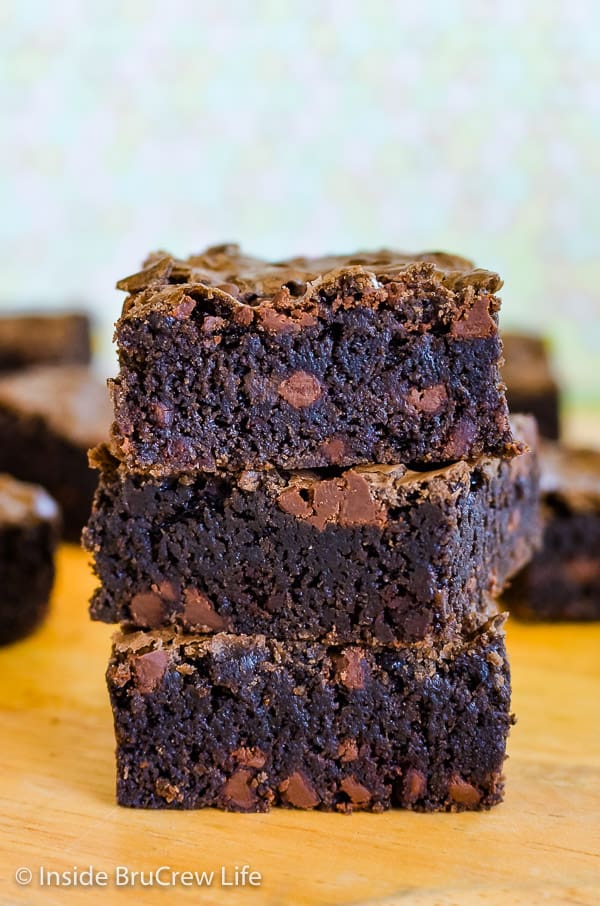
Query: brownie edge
[246, 722]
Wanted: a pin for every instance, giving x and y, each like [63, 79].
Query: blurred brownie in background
[32, 338]
[29, 528]
[562, 582]
[49, 417]
[530, 383]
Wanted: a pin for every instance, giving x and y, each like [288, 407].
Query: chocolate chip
[296, 287]
[327, 500]
[463, 793]
[149, 670]
[212, 324]
[183, 309]
[167, 591]
[301, 389]
[298, 791]
[199, 613]
[415, 785]
[306, 320]
[239, 792]
[346, 500]
[458, 444]
[291, 501]
[359, 794]
[243, 315]
[358, 507]
[429, 400]
[275, 322]
[351, 667]
[333, 450]
[477, 321]
[146, 609]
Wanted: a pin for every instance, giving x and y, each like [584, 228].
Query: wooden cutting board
[57, 807]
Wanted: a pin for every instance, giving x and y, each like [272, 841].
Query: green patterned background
[306, 126]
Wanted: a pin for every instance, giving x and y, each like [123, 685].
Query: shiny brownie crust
[244, 723]
[227, 362]
[374, 554]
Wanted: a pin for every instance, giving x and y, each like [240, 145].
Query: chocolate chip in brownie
[298, 791]
[149, 670]
[300, 390]
[239, 791]
[199, 613]
[147, 609]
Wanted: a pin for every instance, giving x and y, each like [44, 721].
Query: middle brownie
[371, 553]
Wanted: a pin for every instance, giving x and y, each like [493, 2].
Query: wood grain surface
[57, 806]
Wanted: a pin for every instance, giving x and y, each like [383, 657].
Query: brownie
[530, 384]
[562, 582]
[372, 553]
[29, 528]
[229, 362]
[49, 417]
[56, 338]
[246, 722]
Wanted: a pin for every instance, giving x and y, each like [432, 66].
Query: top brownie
[229, 362]
[54, 338]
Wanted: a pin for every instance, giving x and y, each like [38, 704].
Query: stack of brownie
[312, 498]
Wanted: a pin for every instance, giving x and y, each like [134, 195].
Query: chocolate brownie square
[530, 383]
[246, 722]
[56, 338]
[371, 553]
[562, 582]
[49, 417]
[229, 362]
[29, 528]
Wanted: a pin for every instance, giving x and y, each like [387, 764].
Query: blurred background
[305, 127]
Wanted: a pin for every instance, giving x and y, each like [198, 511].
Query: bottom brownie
[28, 536]
[246, 722]
[562, 582]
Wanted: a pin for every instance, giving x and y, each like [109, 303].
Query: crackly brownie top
[70, 398]
[571, 475]
[430, 287]
[24, 503]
